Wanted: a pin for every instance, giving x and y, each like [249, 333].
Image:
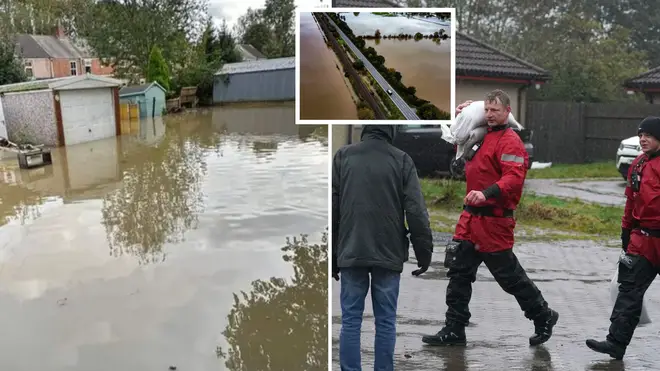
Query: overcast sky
[230, 10]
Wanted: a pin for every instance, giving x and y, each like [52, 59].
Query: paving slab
[574, 277]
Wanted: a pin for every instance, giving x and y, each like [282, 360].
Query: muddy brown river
[173, 245]
[324, 93]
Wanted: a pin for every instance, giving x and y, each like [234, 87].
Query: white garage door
[87, 115]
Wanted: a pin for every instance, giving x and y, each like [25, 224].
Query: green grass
[575, 171]
[544, 212]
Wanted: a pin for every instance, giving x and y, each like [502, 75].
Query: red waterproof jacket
[501, 160]
[643, 208]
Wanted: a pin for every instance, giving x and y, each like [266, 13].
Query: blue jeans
[384, 295]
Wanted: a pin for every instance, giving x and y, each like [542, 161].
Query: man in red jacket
[484, 232]
[640, 238]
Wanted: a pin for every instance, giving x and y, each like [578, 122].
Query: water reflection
[149, 181]
[159, 198]
[283, 325]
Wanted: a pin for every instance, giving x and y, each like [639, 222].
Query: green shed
[150, 97]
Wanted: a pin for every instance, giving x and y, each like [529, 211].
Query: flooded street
[574, 277]
[424, 64]
[429, 71]
[140, 252]
[324, 93]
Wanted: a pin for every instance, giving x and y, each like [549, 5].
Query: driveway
[574, 278]
[405, 109]
[605, 192]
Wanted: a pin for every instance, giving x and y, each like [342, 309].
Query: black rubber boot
[543, 328]
[449, 335]
[615, 351]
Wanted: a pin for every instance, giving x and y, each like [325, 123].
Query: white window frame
[88, 64]
[73, 68]
[28, 67]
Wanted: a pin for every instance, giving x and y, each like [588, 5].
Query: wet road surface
[574, 278]
[132, 253]
[606, 192]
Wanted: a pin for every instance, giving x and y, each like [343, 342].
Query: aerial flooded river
[140, 252]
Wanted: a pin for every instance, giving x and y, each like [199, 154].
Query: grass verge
[575, 171]
[542, 217]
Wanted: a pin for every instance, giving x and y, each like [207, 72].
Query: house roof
[45, 46]
[473, 57]
[250, 51]
[62, 83]
[649, 79]
[127, 91]
[477, 59]
[259, 65]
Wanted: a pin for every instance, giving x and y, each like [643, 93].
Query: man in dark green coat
[375, 192]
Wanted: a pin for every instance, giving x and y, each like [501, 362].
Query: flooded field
[142, 252]
[324, 93]
[424, 64]
[367, 24]
[574, 277]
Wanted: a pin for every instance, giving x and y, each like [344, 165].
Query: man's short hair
[498, 96]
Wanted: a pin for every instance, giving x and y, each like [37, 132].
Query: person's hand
[422, 268]
[474, 198]
[625, 238]
[335, 268]
[462, 105]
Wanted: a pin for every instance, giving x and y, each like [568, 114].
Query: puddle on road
[137, 249]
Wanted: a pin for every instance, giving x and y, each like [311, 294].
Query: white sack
[614, 292]
[470, 126]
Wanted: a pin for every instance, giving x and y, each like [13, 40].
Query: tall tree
[271, 29]
[123, 32]
[158, 70]
[11, 69]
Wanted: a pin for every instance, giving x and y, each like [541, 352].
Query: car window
[406, 127]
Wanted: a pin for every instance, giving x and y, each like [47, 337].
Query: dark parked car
[435, 156]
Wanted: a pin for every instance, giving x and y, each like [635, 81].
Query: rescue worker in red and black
[640, 240]
[484, 232]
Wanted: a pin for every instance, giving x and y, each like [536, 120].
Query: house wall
[265, 86]
[41, 68]
[99, 69]
[30, 117]
[477, 90]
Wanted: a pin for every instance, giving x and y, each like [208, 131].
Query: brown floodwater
[424, 64]
[170, 246]
[324, 93]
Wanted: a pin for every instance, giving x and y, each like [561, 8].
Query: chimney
[59, 31]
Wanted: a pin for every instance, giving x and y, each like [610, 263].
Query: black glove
[422, 269]
[625, 238]
[335, 268]
[423, 265]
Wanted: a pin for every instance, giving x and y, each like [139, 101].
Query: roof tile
[650, 78]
